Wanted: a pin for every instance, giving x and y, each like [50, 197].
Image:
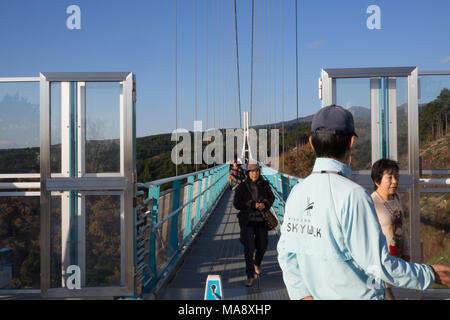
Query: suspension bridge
[77, 223]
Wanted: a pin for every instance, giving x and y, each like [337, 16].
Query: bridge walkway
[217, 251]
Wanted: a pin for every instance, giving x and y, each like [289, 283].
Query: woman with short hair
[253, 196]
[385, 175]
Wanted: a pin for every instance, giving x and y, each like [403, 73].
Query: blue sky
[138, 36]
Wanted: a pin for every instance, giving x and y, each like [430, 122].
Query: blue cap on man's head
[334, 117]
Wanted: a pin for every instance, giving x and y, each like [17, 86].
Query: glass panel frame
[411, 177]
[123, 182]
[22, 184]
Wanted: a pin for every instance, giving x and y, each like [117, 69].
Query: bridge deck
[218, 251]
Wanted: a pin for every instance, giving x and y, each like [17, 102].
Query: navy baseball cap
[338, 119]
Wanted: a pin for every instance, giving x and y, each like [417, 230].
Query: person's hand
[307, 298]
[442, 274]
[260, 206]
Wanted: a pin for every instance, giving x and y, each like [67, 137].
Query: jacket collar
[329, 164]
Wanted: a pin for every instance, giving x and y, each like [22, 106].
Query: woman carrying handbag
[252, 197]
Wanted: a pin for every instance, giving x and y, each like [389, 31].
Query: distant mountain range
[357, 112]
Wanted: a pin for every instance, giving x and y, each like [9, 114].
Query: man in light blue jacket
[331, 244]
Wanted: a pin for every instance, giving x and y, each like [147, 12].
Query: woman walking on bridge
[251, 198]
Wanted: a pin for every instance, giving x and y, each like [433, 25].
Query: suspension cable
[251, 77]
[195, 57]
[196, 71]
[274, 72]
[207, 58]
[296, 78]
[237, 64]
[176, 89]
[282, 82]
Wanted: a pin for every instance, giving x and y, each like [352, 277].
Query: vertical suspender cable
[251, 77]
[386, 116]
[195, 56]
[296, 77]
[196, 68]
[207, 58]
[223, 70]
[282, 80]
[237, 64]
[266, 69]
[274, 72]
[214, 74]
[176, 88]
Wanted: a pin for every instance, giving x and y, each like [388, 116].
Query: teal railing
[281, 185]
[167, 221]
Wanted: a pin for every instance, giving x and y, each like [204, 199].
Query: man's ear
[352, 141]
[310, 143]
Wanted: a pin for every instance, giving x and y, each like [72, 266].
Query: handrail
[282, 173]
[434, 181]
[152, 265]
[171, 214]
[174, 178]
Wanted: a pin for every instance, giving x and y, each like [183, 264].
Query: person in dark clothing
[251, 197]
[236, 175]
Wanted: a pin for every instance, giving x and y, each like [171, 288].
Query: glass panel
[434, 227]
[86, 232]
[19, 242]
[354, 95]
[55, 127]
[162, 244]
[103, 240]
[102, 127]
[434, 118]
[19, 127]
[163, 232]
[56, 244]
[402, 122]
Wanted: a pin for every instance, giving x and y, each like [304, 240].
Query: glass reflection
[55, 127]
[102, 127]
[402, 123]
[103, 240]
[434, 117]
[19, 242]
[434, 227]
[354, 95]
[56, 278]
[19, 127]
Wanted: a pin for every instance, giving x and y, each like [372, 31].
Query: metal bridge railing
[167, 221]
[281, 184]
